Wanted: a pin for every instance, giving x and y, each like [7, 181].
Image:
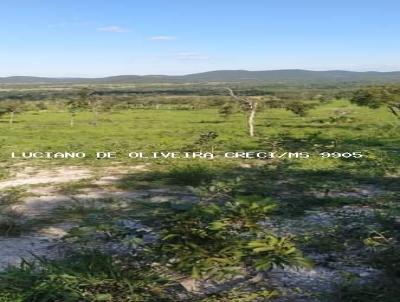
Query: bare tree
[249, 106]
[84, 101]
[73, 106]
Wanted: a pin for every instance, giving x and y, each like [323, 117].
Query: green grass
[177, 130]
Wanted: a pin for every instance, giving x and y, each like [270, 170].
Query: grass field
[158, 130]
[340, 213]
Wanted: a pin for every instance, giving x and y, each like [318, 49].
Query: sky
[88, 38]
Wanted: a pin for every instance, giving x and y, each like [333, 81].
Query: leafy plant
[270, 251]
[220, 242]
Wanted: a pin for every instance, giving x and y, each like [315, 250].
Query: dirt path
[44, 196]
[31, 176]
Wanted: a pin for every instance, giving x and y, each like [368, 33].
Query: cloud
[113, 29]
[162, 38]
[191, 56]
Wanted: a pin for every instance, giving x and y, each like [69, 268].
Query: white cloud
[162, 38]
[113, 29]
[191, 56]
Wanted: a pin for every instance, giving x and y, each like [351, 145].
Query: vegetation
[223, 227]
[375, 97]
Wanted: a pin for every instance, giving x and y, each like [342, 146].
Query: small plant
[190, 175]
[271, 251]
[206, 140]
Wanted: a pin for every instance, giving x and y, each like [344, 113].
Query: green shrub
[190, 175]
[220, 242]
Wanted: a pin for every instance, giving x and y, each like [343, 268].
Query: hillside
[287, 76]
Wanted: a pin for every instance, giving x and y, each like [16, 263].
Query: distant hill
[288, 76]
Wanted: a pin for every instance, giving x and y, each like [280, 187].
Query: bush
[220, 242]
[190, 175]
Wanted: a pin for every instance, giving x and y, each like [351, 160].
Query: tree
[41, 106]
[87, 100]
[226, 110]
[379, 96]
[251, 104]
[11, 108]
[299, 108]
[73, 106]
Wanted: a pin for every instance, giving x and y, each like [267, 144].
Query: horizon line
[186, 74]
